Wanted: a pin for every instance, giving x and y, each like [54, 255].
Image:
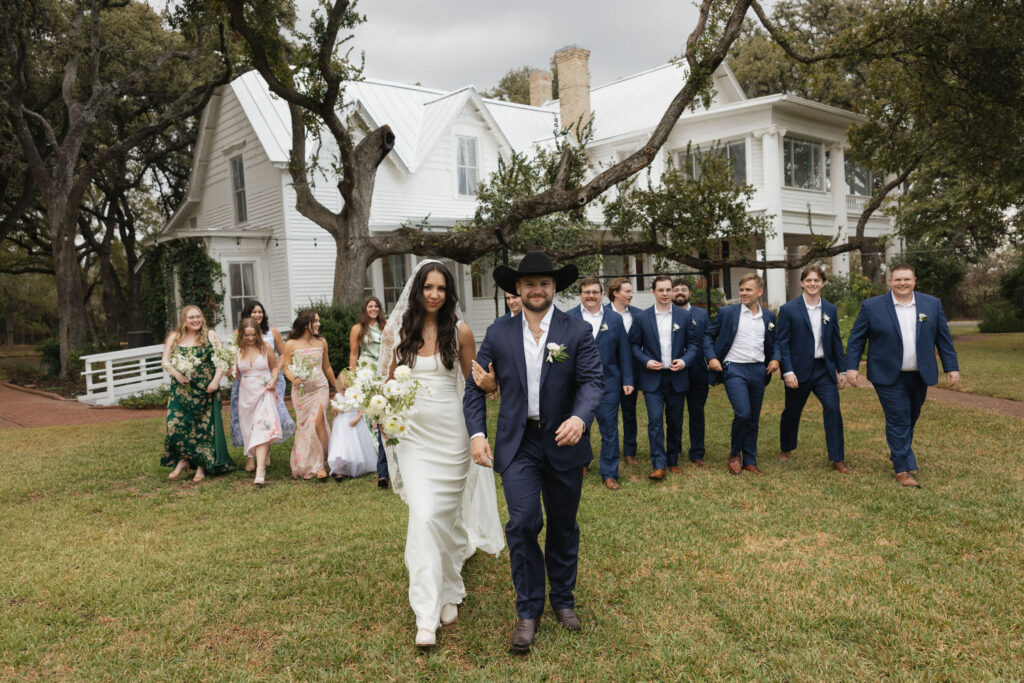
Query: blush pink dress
[308, 453]
[257, 409]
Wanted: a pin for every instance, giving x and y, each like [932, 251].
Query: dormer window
[467, 166]
[238, 189]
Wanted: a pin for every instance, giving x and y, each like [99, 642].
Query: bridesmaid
[271, 336]
[195, 432]
[310, 397]
[364, 347]
[257, 411]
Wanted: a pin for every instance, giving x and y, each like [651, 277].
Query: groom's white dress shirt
[534, 353]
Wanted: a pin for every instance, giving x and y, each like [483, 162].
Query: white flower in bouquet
[403, 373]
[185, 364]
[393, 388]
[351, 400]
[224, 358]
[376, 406]
[301, 368]
[365, 374]
[388, 403]
[394, 426]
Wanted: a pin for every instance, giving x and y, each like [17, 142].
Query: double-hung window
[466, 163]
[804, 164]
[242, 277]
[238, 189]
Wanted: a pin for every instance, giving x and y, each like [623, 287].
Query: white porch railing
[116, 374]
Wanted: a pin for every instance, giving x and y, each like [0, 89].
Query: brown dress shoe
[523, 635]
[656, 475]
[752, 469]
[586, 470]
[567, 619]
[840, 467]
[905, 479]
[785, 455]
[611, 484]
[630, 460]
[675, 469]
[735, 464]
[699, 462]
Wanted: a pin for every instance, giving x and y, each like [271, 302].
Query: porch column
[840, 263]
[775, 245]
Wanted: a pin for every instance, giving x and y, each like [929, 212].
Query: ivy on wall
[198, 278]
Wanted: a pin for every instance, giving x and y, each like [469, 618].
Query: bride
[431, 467]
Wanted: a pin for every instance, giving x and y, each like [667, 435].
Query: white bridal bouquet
[301, 368]
[185, 364]
[388, 403]
[224, 358]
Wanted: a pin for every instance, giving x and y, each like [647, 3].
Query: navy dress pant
[529, 481]
[665, 403]
[608, 423]
[827, 391]
[901, 403]
[696, 396]
[382, 459]
[744, 385]
[628, 404]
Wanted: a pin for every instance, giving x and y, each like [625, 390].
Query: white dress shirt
[748, 344]
[664, 321]
[535, 353]
[907, 315]
[593, 318]
[814, 313]
[627, 317]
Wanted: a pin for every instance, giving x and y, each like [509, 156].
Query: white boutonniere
[825, 318]
[693, 321]
[675, 327]
[604, 327]
[556, 353]
[922, 318]
[771, 326]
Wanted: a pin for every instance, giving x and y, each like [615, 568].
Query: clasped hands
[716, 365]
[676, 365]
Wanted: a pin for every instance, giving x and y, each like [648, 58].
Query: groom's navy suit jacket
[613, 346]
[570, 387]
[647, 347]
[795, 340]
[719, 337]
[877, 323]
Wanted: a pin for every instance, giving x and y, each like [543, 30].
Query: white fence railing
[113, 375]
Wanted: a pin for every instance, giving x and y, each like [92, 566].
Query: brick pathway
[21, 409]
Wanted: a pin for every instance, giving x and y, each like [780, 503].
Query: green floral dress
[195, 429]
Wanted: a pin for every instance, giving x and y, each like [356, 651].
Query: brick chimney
[573, 85]
[540, 87]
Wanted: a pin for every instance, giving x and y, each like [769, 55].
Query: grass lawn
[111, 572]
[991, 365]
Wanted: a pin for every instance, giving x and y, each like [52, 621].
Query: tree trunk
[350, 264]
[72, 326]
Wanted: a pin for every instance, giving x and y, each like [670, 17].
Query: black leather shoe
[522, 636]
[567, 619]
[383, 483]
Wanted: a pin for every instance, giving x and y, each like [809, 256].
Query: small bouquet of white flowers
[225, 357]
[389, 403]
[185, 364]
[301, 368]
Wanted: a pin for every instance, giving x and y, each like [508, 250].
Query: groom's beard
[530, 306]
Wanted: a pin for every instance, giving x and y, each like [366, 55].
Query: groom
[551, 379]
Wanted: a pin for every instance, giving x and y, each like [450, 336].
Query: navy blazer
[718, 338]
[795, 340]
[613, 345]
[632, 336]
[699, 321]
[647, 347]
[570, 387]
[877, 324]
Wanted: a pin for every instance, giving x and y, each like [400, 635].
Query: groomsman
[740, 345]
[620, 294]
[811, 353]
[617, 361]
[665, 347]
[513, 303]
[903, 328]
[697, 394]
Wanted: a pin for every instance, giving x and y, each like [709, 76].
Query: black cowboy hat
[535, 263]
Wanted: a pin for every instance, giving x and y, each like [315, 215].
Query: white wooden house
[240, 199]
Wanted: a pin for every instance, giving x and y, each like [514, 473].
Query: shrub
[336, 322]
[853, 287]
[50, 350]
[157, 398]
[20, 372]
[1000, 316]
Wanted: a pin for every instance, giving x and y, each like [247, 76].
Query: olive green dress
[195, 429]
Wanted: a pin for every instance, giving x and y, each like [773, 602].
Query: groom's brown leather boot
[522, 636]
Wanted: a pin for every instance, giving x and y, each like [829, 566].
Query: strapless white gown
[443, 489]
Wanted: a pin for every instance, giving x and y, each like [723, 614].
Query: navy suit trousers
[901, 403]
[528, 480]
[608, 423]
[382, 459]
[628, 404]
[696, 397]
[744, 385]
[825, 388]
[667, 403]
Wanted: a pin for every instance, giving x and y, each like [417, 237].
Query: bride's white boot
[449, 613]
[425, 638]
